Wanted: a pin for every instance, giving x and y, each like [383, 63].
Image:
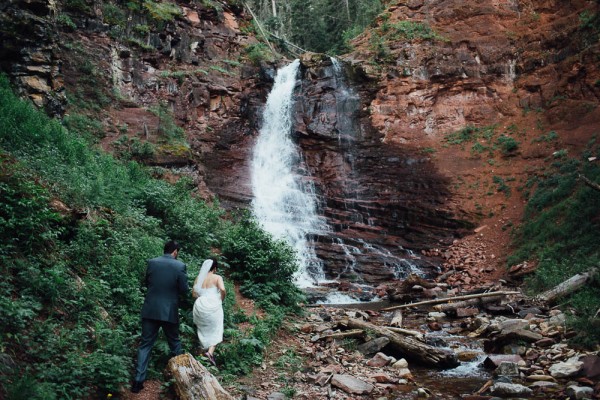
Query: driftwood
[408, 346]
[338, 335]
[450, 299]
[408, 332]
[193, 381]
[397, 319]
[568, 286]
[467, 303]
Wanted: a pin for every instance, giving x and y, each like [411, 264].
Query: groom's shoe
[137, 386]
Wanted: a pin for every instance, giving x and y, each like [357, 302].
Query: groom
[166, 279]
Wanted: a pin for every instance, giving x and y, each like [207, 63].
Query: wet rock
[566, 369]
[373, 346]
[510, 389]
[580, 392]
[507, 368]
[379, 360]
[350, 384]
[494, 360]
[467, 355]
[434, 326]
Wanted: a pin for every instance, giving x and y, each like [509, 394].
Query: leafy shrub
[162, 11]
[71, 289]
[560, 232]
[410, 30]
[113, 15]
[264, 266]
[508, 145]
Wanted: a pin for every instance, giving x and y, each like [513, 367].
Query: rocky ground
[507, 347]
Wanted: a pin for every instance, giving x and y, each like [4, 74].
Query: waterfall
[284, 202]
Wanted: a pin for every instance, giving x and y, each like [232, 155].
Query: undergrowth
[77, 227]
[560, 231]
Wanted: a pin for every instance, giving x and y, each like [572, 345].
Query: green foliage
[71, 291]
[501, 185]
[323, 26]
[508, 145]
[549, 137]
[258, 52]
[265, 267]
[411, 30]
[64, 21]
[167, 128]
[113, 15]
[471, 133]
[560, 232]
[162, 11]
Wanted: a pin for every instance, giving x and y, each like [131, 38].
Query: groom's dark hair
[171, 246]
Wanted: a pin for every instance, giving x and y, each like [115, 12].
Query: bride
[209, 291]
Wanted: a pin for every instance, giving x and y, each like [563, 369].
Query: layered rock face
[489, 61]
[363, 127]
[380, 202]
[28, 51]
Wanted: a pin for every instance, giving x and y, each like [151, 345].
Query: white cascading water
[284, 203]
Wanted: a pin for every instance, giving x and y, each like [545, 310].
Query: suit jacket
[166, 279]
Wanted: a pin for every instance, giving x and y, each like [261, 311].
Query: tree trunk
[408, 346]
[568, 286]
[467, 303]
[449, 299]
[193, 381]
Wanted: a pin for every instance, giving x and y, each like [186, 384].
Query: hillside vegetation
[76, 227]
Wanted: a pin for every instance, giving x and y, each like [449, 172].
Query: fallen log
[408, 332]
[450, 299]
[567, 287]
[467, 303]
[193, 381]
[338, 335]
[408, 346]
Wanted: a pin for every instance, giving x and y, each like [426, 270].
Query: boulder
[580, 392]
[401, 363]
[507, 368]
[352, 385]
[566, 369]
[373, 346]
[494, 360]
[591, 367]
[379, 360]
[510, 389]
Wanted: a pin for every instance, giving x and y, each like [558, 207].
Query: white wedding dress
[208, 315]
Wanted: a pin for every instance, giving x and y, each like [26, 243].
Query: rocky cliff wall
[372, 129]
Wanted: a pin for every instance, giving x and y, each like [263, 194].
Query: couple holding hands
[166, 280]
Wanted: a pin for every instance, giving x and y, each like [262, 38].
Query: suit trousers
[150, 329]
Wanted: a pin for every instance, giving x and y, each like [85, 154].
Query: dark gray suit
[166, 279]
